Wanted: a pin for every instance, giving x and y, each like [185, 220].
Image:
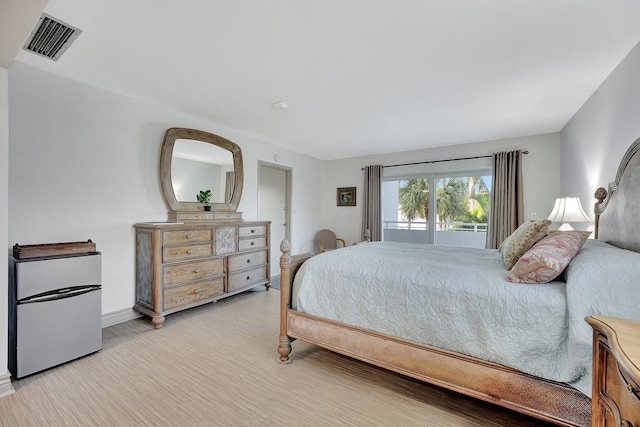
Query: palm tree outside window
[461, 204]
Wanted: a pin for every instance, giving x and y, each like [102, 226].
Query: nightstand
[616, 372]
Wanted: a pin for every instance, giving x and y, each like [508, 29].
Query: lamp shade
[566, 210]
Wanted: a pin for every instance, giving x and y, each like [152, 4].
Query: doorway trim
[288, 191]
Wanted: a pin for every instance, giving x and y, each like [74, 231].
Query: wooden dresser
[616, 372]
[183, 265]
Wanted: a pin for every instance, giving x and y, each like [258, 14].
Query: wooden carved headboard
[621, 225]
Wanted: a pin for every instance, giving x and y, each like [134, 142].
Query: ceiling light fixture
[279, 105]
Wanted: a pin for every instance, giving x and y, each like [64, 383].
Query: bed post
[284, 345]
[600, 194]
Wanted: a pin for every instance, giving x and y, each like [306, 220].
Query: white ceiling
[360, 77]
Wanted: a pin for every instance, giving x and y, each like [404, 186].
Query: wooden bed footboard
[547, 400]
[289, 265]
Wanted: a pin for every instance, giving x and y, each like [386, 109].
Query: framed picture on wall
[346, 196]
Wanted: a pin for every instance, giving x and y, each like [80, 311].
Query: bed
[412, 309]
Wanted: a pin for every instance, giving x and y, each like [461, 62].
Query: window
[455, 214]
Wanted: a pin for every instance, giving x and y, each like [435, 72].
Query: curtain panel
[507, 206]
[372, 203]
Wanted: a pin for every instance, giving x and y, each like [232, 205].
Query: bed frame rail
[497, 384]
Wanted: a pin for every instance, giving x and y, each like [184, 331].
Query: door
[52, 332]
[274, 195]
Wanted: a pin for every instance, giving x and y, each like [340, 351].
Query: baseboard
[275, 282]
[119, 316]
[6, 388]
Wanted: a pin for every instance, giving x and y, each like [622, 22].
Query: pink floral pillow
[548, 258]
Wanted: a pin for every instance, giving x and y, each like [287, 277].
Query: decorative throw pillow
[521, 240]
[549, 257]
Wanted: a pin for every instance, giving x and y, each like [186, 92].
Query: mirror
[193, 160]
[196, 166]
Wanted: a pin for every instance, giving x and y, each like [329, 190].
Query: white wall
[584, 156]
[84, 164]
[5, 382]
[596, 138]
[541, 177]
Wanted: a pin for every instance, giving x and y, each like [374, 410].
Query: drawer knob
[253, 243]
[197, 270]
[248, 261]
[189, 235]
[253, 231]
[197, 291]
[189, 251]
[248, 277]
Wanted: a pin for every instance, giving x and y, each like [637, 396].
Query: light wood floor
[216, 366]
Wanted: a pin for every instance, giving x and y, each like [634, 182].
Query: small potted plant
[204, 196]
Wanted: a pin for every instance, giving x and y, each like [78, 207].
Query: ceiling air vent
[51, 37]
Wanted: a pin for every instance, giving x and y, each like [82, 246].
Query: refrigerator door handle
[58, 294]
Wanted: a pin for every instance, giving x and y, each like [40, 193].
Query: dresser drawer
[240, 262]
[255, 243]
[187, 294]
[185, 252]
[180, 273]
[221, 216]
[258, 230]
[177, 237]
[246, 278]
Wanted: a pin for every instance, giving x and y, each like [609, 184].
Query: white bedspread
[457, 299]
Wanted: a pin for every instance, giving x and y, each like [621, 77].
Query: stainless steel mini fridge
[55, 311]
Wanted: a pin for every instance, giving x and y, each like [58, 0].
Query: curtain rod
[443, 160]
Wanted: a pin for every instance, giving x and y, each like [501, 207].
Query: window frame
[432, 172]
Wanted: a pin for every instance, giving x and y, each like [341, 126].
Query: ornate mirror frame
[166, 156]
